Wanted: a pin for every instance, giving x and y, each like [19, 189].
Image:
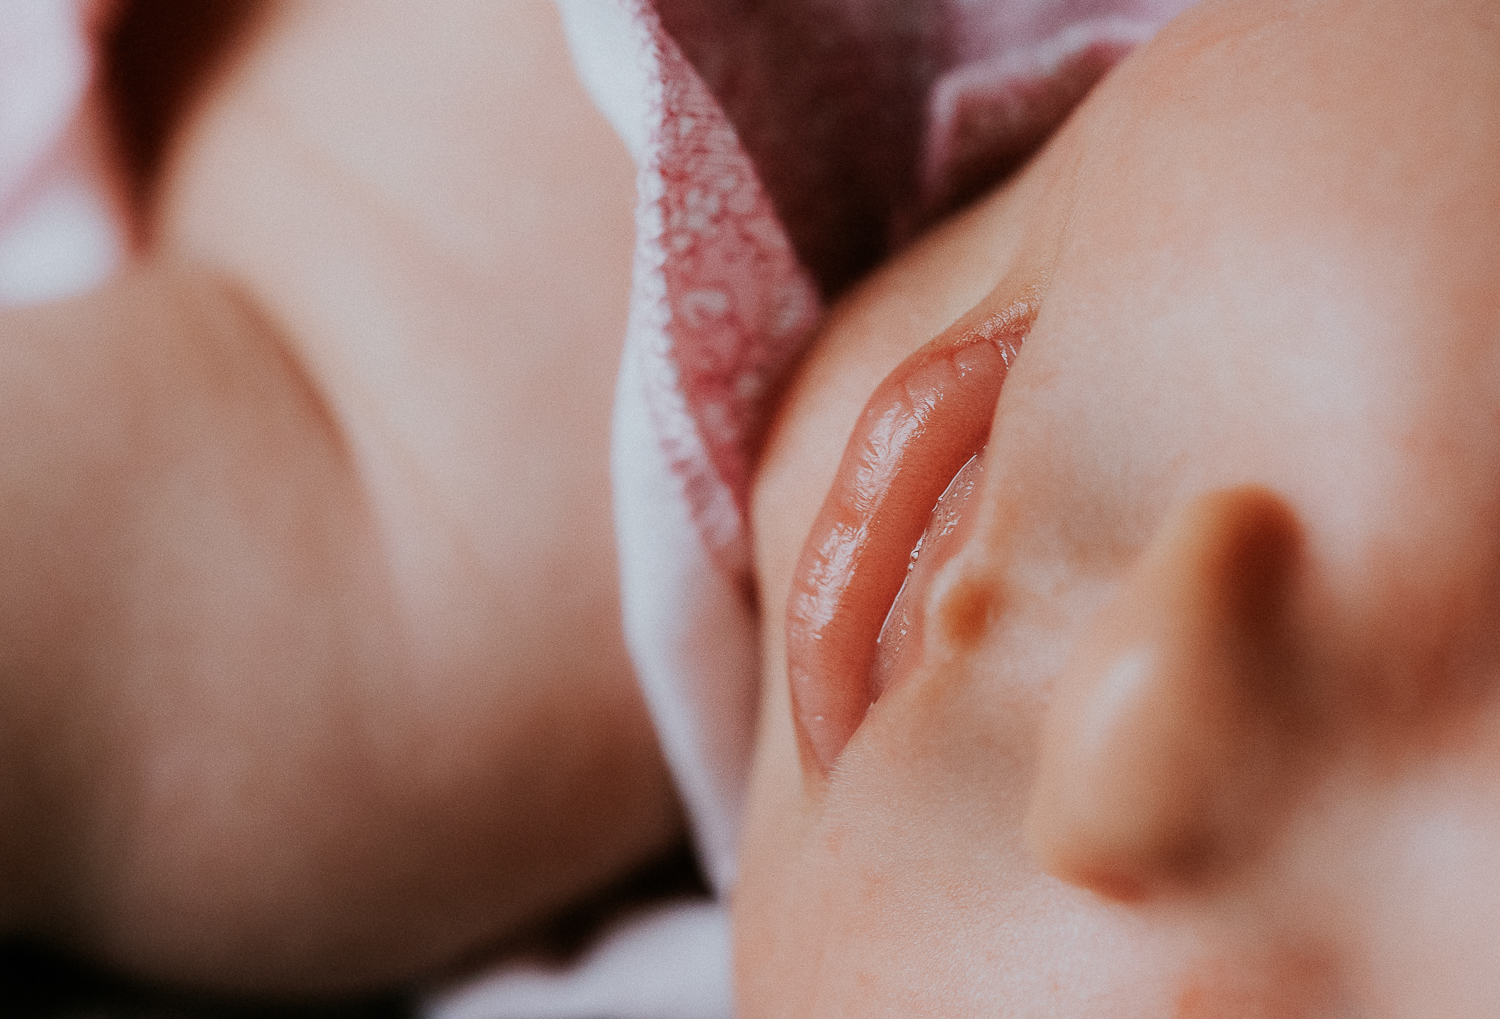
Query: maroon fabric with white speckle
[785, 148]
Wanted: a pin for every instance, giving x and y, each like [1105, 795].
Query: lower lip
[924, 422]
[901, 633]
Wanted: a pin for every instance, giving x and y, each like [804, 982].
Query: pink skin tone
[311, 674]
[920, 426]
[1203, 713]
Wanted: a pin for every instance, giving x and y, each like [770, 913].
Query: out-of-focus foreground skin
[1205, 714]
[311, 675]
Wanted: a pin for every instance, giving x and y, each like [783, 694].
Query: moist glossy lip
[900, 640]
[919, 427]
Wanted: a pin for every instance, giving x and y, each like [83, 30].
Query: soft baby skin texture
[311, 671]
[1204, 719]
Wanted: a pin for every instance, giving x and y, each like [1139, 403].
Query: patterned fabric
[784, 148]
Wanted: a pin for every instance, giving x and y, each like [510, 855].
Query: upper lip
[920, 426]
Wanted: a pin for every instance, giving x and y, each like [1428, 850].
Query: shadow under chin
[156, 58]
[40, 983]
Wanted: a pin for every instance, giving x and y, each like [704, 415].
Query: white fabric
[670, 962]
[683, 622]
[682, 539]
[62, 230]
[616, 65]
[721, 306]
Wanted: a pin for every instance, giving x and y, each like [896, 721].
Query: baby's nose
[1172, 723]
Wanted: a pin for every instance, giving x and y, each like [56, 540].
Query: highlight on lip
[924, 422]
[902, 629]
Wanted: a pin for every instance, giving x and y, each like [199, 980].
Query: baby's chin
[912, 893]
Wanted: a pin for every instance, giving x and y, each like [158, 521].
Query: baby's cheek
[913, 892]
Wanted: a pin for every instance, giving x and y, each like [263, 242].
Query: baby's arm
[310, 668]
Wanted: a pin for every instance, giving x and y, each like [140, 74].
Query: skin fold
[1204, 717]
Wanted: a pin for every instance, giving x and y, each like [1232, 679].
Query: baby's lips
[918, 429]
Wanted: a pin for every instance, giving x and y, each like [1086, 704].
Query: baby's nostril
[965, 611]
[1166, 742]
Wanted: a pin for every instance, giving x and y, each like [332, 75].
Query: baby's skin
[1197, 708]
[311, 673]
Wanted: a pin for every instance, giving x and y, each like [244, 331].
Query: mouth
[924, 423]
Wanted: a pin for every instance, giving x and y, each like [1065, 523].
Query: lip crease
[901, 634]
[924, 422]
